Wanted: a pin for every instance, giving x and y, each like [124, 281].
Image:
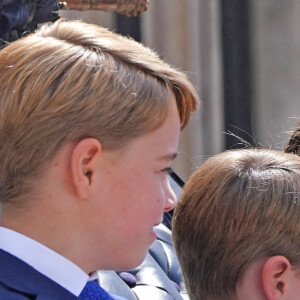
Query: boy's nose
[170, 197]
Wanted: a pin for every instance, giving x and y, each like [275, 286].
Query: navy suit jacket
[19, 281]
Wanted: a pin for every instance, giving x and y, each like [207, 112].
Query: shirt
[46, 261]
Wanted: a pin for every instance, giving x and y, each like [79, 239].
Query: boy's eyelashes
[167, 170]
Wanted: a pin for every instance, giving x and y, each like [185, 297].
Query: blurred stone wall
[276, 59]
[186, 34]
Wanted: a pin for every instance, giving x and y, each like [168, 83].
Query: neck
[53, 225]
[250, 286]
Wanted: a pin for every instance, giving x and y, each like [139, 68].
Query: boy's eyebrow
[168, 157]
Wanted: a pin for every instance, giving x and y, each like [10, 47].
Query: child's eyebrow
[168, 157]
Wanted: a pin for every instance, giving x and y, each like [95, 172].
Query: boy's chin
[134, 262]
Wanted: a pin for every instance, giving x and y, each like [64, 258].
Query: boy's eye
[167, 170]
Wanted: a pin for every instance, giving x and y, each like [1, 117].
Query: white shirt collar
[46, 261]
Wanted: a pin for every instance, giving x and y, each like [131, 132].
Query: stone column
[186, 34]
[276, 53]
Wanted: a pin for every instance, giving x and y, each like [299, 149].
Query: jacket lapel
[23, 279]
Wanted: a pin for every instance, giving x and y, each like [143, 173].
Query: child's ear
[276, 276]
[83, 165]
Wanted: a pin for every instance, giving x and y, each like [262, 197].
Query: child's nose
[170, 197]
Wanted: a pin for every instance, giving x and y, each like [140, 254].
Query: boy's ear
[276, 274]
[83, 164]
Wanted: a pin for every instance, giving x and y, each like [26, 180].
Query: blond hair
[72, 80]
[238, 207]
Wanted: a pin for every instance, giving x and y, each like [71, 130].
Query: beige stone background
[186, 33]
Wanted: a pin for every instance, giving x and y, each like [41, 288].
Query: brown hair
[72, 80]
[293, 145]
[238, 207]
